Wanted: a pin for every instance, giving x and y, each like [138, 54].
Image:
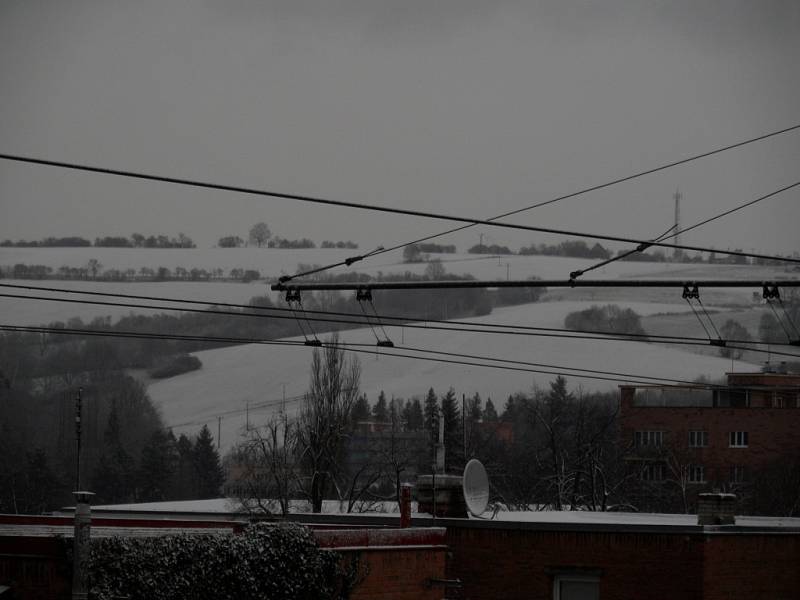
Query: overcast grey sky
[460, 106]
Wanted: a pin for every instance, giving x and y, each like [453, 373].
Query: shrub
[180, 364]
[265, 561]
[609, 319]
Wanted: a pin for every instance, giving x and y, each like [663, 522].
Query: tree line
[136, 240]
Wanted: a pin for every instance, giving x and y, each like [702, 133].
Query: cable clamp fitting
[692, 292]
[771, 291]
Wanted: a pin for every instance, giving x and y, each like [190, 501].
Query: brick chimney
[716, 509]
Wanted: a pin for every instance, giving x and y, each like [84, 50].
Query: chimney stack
[716, 509]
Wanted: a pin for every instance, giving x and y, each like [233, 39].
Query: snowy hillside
[233, 377]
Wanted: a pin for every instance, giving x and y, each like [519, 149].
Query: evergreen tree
[207, 466]
[453, 436]
[361, 410]
[185, 477]
[157, 467]
[412, 415]
[431, 420]
[489, 412]
[381, 411]
[114, 476]
[41, 485]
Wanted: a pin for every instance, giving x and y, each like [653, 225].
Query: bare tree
[259, 234]
[324, 419]
[264, 474]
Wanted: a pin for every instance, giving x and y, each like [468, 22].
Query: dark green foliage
[207, 466]
[576, 248]
[489, 412]
[361, 410]
[183, 363]
[380, 411]
[608, 319]
[412, 415]
[157, 467]
[431, 419]
[114, 478]
[519, 295]
[453, 433]
[265, 561]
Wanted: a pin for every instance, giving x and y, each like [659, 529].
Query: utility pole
[78, 411]
[219, 430]
[464, 424]
[677, 197]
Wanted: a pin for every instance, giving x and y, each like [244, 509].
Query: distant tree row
[574, 248]
[137, 240]
[261, 236]
[93, 270]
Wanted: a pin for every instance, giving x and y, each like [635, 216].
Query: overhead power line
[393, 210]
[535, 283]
[669, 234]
[471, 360]
[582, 191]
[405, 322]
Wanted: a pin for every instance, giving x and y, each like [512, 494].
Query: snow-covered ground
[272, 263]
[232, 378]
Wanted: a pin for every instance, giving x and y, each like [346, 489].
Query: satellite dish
[476, 487]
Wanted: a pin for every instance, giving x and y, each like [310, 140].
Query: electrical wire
[667, 235]
[408, 212]
[367, 349]
[595, 188]
[439, 325]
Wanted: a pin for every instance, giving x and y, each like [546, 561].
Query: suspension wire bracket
[364, 295]
[295, 302]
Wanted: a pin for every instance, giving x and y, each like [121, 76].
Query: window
[576, 587]
[653, 472]
[697, 474]
[698, 439]
[738, 439]
[643, 439]
[738, 474]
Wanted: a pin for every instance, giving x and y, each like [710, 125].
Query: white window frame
[738, 439]
[696, 435]
[559, 579]
[694, 470]
[648, 439]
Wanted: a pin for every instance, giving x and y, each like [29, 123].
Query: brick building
[700, 438]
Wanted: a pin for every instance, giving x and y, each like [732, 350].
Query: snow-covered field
[272, 263]
[233, 377]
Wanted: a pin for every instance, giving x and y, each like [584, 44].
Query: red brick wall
[399, 573]
[748, 567]
[517, 563]
[772, 432]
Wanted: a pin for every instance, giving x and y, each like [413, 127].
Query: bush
[178, 365]
[608, 319]
[265, 561]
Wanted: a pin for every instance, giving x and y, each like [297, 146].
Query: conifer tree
[381, 411]
[489, 412]
[114, 476]
[431, 420]
[207, 466]
[361, 410]
[453, 437]
[413, 418]
[157, 467]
